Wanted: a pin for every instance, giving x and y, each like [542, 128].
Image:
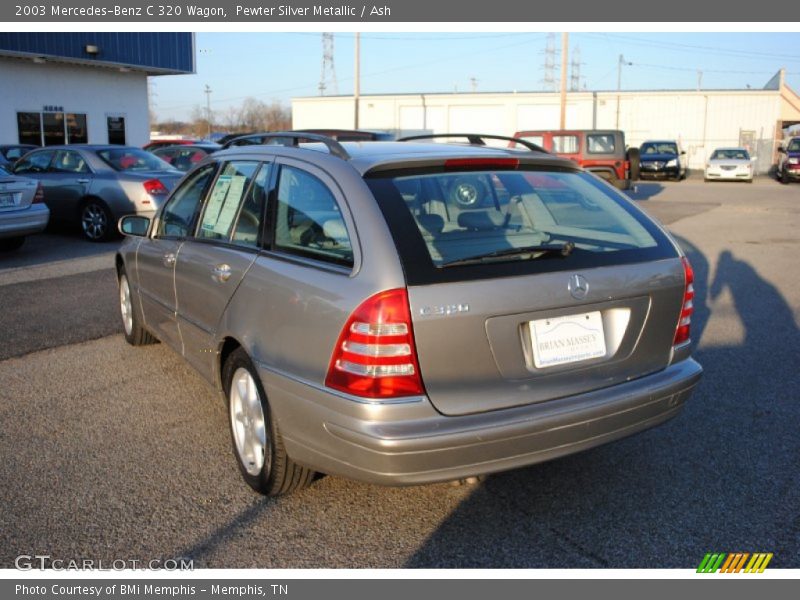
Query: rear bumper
[406, 444]
[20, 223]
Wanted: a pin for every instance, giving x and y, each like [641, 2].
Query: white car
[733, 164]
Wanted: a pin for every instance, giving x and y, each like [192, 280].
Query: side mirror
[683, 152]
[134, 225]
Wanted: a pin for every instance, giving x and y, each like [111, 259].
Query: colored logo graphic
[734, 562]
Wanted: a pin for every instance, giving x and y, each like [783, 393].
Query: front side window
[565, 144]
[308, 219]
[600, 143]
[178, 217]
[37, 162]
[224, 199]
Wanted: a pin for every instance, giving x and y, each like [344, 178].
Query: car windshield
[518, 215]
[132, 159]
[731, 154]
[794, 145]
[659, 148]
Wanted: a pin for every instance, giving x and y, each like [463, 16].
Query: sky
[278, 66]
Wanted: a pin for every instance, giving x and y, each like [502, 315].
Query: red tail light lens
[39, 195]
[375, 356]
[685, 320]
[154, 187]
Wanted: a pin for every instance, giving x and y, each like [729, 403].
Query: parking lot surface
[113, 452]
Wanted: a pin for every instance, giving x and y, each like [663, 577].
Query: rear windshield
[132, 159]
[658, 148]
[730, 154]
[502, 219]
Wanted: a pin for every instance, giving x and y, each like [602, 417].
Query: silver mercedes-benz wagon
[412, 311]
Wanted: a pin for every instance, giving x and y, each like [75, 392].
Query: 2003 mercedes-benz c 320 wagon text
[412, 311]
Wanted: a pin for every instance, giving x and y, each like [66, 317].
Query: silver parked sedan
[22, 211]
[411, 312]
[94, 186]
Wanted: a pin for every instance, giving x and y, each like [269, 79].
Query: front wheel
[257, 442]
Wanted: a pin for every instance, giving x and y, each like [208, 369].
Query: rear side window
[565, 144]
[308, 219]
[600, 143]
[248, 223]
[509, 222]
[224, 199]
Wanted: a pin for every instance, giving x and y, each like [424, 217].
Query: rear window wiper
[555, 250]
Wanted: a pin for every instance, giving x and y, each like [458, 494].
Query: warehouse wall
[700, 120]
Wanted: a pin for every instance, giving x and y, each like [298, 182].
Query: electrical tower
[575, 70]
[550, 53]
[327, 81]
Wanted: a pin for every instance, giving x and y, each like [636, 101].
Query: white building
[62, 88]
[701, 120]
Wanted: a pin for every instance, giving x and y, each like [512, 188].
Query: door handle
[84, 180]
[222, 273]
[169, 259]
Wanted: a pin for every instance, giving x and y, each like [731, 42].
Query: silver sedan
[95, 185]
[22, 211]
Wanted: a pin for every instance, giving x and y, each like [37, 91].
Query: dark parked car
[365, 314]
[601, 152]
[789, 165]
[11, 153]
[340, 135]
[662, 159]
[164, 142]
[22, 211]
[185, 157]
[95, 185]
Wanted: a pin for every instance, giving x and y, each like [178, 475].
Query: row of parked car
[94, 185]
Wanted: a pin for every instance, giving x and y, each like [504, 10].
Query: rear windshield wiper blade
[561, 250]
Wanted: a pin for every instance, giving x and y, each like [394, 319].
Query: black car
[662, 159]
[185, 156]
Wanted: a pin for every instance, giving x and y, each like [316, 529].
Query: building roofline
[53, 59]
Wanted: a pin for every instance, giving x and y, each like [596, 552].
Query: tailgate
[475, 341]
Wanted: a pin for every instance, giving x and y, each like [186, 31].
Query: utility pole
[357, 88]
[473, 81]
[208, 111]
[699, 80]
[564, 51]
[622, 62]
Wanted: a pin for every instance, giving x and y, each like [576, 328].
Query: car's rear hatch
[594, 302]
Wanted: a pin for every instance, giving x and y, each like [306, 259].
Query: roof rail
[476, 139]
[334, 147]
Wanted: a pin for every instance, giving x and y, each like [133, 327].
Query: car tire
[11, 244]
[634, 169]
[135, 333]
[96, 221]
[784, 178]
[256, 439]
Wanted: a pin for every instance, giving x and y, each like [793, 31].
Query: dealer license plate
[567, 339]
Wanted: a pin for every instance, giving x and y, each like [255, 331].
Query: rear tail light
[154, 187]
[375, 356]
[39, 195]
[685, 320]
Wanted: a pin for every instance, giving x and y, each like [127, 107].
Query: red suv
[600, 151]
